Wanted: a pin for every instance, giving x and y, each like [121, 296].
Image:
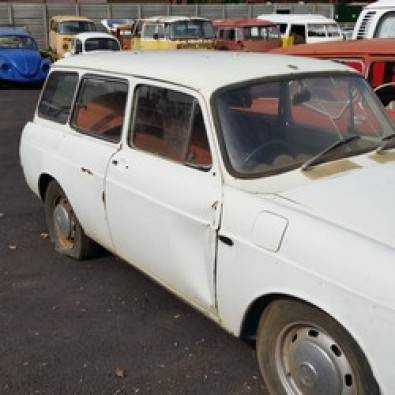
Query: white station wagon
[258, 188]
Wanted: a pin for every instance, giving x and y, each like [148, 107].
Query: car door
[163, 193]
[95, 131]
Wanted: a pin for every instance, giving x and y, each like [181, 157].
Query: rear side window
[57, 97]
[100, 108]
[170, 124]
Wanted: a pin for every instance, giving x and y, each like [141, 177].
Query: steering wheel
[282, 148]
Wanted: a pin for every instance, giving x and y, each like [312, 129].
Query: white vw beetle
[258, 188]
[85, 43]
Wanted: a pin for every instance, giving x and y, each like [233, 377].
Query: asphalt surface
[100, 326]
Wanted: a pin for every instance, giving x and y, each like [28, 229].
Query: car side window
[100, 108]
[57, 98]
[170, 124]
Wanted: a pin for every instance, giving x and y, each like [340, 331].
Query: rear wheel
[303, 351]
[64, 228]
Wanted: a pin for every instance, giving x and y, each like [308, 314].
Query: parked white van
[305, 28]
[377, 20]
[258, 188]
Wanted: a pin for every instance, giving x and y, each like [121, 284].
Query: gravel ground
[99, 326]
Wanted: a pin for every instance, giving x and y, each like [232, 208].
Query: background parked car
[88, 42]
[305, 28]
[374, 59]
[377, 20]
[254, 35]
[62, 31]
[173, 32]
[20, 58]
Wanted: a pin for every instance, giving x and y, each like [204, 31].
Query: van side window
[170, 124]
[100, 108]
[298, 32]
[283, 28]
[58, 95]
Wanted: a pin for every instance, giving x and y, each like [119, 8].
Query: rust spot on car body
[331, 168]
[383, 157]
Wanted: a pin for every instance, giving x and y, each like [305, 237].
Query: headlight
[5, 67]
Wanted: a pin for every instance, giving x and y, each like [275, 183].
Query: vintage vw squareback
[262, 195]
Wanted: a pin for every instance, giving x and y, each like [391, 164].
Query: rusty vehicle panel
[251, 35]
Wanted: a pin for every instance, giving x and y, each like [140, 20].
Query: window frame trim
[218, 127]
[69, 72]
[130, 130]
[106, 78]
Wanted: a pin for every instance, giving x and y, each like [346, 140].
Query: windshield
[153, 30]
[272, 127]
[75, 27]
[101, 43]
[192, 30]
[261, 33]
[17, 42]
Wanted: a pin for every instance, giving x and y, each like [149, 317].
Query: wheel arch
[258, 306]
[43, 182]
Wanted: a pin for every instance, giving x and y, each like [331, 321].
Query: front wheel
[303, 351]
[64, 229]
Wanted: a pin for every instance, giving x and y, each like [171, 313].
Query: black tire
[78, 246]
[286, 313]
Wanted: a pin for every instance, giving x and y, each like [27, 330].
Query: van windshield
[75, 27]
[272, 127]
[386, 26]
[192, 30]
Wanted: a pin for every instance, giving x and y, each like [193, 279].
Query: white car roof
[85, 36]
[381, 4]
[296, 18]
[172, 19]
[204, 71]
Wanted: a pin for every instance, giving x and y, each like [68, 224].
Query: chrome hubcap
[64, 223]
[310, 362]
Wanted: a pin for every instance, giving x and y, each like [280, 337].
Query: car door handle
[87, 171]
[114, 162]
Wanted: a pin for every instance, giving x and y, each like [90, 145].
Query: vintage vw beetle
[20, 58]
[262, 195]
[84, 43]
